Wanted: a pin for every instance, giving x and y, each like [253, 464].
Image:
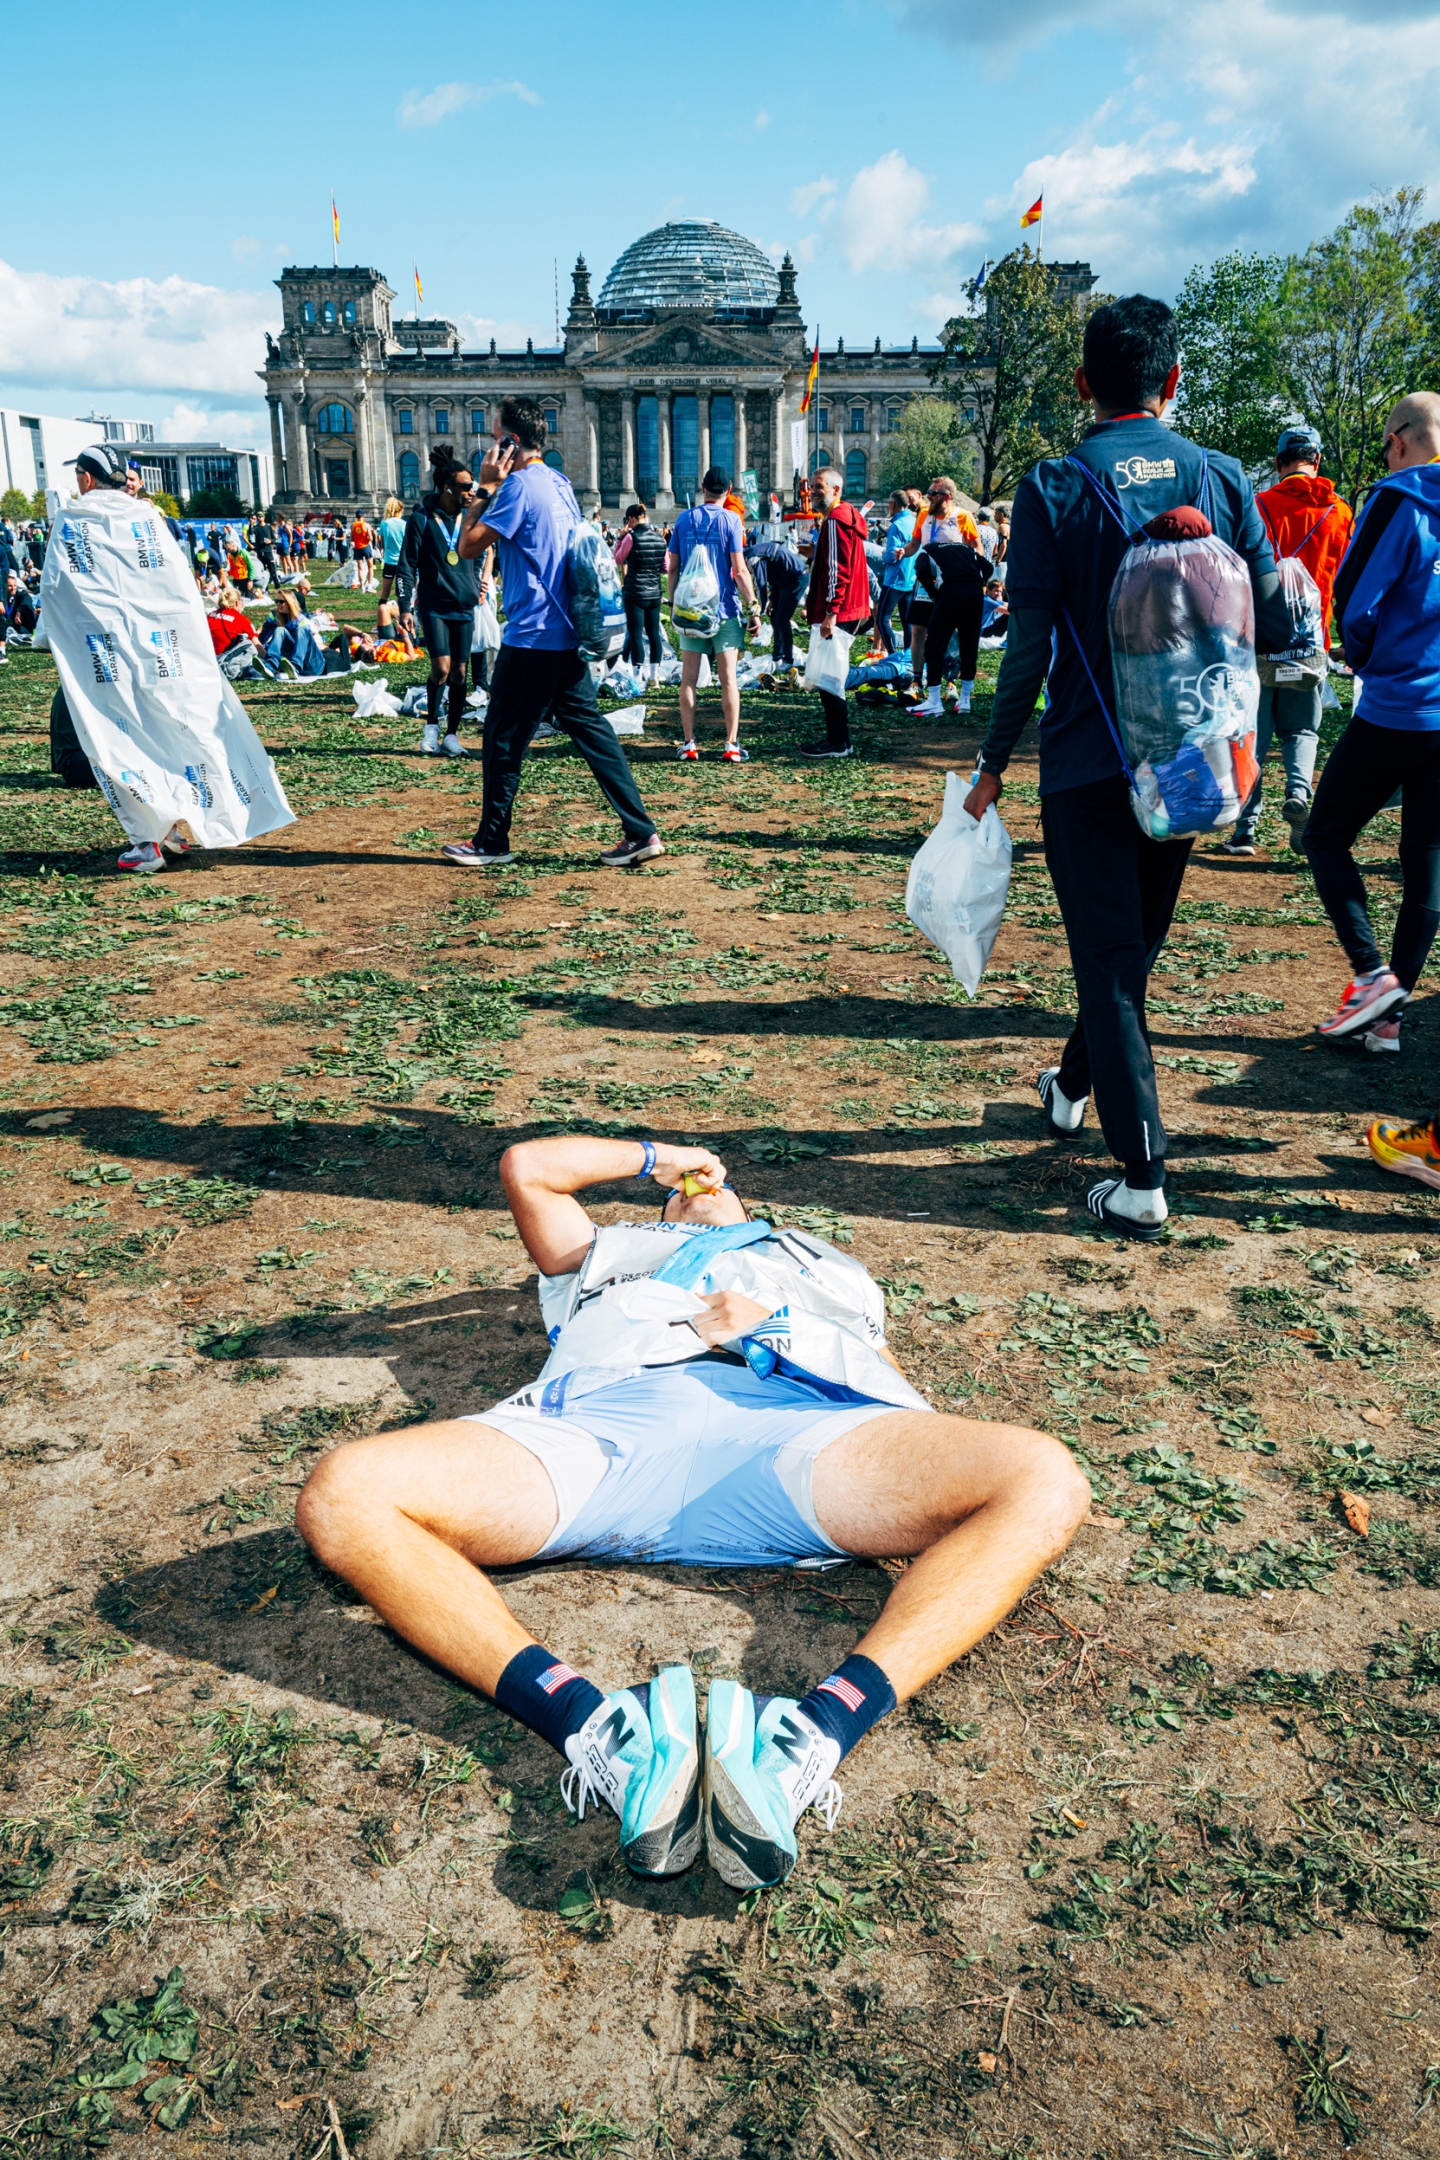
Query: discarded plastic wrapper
[956, 891]
[630, 720]
[374, 701]
[162, 727]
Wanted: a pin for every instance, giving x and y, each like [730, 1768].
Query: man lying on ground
[718, 1394]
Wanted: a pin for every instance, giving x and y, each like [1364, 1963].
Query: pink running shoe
[1367, 999]
[1385, 1035]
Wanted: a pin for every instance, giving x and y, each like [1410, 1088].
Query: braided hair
[444, 464]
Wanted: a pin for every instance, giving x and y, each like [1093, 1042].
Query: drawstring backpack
[1305, 654]
[1181, 622]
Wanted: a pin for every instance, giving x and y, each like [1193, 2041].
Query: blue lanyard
[451, 539]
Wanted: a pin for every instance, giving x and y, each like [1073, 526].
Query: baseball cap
[103, 461]
[1300, 438]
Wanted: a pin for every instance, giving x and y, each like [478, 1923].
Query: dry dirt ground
[1150, 1872]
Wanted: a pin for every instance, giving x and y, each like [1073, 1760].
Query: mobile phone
[507, 442]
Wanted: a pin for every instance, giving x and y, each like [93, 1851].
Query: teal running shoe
[765, 1763]
[640, 1754]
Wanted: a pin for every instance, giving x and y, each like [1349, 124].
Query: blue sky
[890, 144]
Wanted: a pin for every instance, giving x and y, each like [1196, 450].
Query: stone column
[702, 413]
[277, 446]
[364, 459]
[665, 491]
[627, 442]
[590, 499]
[302, 480]
[742, 438]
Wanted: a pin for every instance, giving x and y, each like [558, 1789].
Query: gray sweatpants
[1289, 714]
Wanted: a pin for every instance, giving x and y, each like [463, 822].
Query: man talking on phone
[541, 673]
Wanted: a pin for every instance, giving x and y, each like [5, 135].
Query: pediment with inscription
[684, 345]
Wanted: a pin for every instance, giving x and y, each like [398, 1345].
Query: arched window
[334, 420]
[405, 420]
[327, 314]
[855, 476]
[307, 313]
[350, 311]
[442, 420]
[553, 457]
[409, 470]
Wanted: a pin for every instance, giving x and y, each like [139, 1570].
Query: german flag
[811, 379]
[1035, 212]
[334, 221]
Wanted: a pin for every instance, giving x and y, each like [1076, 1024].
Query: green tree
[1011, 369]
[220, 502]
[1232, 396]
[1354, 323]
[37, 503]
[13, 504]
[929, 441]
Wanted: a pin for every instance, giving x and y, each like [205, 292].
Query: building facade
[695, 353]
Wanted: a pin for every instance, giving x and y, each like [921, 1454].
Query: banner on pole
[797, 445]
[750, 491]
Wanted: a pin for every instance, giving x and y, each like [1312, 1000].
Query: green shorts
[730, 637]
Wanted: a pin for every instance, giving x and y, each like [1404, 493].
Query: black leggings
[892, 599]
[66, 756]
[958, 609]
[642, 623]
[1361, 774]
[452, 635]
[783, 596]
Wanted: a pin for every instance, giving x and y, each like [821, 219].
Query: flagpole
[334, 237]
[815, 400]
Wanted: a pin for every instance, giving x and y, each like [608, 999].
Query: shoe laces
[578, 1788]
[828, 1802]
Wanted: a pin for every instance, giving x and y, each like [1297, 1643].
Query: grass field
[1153, 1871]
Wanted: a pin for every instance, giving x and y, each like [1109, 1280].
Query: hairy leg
[410, 1518]
[725, 664]
[689, 676]
[984, 1508]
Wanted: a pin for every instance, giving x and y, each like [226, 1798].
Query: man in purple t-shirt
[541, 673]
[722, 535]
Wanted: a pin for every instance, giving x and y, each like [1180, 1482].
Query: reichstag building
[694, 354]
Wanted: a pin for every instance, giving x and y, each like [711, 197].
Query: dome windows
[334, 420]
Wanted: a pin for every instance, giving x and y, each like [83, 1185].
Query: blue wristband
[648, 1166]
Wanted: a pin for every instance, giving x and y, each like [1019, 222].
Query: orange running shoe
[1409, 1150]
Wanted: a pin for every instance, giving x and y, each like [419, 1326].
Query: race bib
[1286, 671]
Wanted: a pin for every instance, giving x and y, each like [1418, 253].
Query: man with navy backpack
[541, 673]
[1073, 521]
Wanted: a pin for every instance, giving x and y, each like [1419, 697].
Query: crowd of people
[718, 1391]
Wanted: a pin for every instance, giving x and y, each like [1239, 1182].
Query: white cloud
[159, 334]
[761, 120]
[428, 109]
[244, 246]
[804, 199]
[883, 224]
[239, 427]
[508, 332]
[1221, 128]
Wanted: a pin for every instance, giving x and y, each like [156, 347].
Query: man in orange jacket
[1304, 517]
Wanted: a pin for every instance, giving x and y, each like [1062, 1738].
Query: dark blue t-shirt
[1066, 545]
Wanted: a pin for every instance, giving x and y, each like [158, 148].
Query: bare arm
[542, 1177]
[476, 539]
[743, 579]
[672, 575]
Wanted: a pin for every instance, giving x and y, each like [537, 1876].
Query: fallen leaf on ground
[1376, 1417]
[48, 1118]
[988, 2063]
[264, 1598]
[1357, 1512]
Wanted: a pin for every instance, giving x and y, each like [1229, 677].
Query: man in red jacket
[1303, 517]
[839, 596]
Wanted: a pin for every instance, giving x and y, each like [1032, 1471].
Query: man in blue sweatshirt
[1387, 610]
[1073, 521]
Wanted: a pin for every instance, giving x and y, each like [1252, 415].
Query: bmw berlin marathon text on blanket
[164, 730]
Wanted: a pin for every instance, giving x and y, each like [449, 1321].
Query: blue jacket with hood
[1387, 600]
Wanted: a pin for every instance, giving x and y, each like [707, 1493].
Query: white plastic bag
[765, 635]
[373, 701]
[827, 664]
[630, 720]
[164, 730]
[487, 627]
[705, 677]
[416, 700]
[955, 893]
[695, 609]
[347, 574]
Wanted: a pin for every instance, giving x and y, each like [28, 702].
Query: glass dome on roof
[692, 263]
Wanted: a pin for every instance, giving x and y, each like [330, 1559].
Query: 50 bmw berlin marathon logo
[1136, 471]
